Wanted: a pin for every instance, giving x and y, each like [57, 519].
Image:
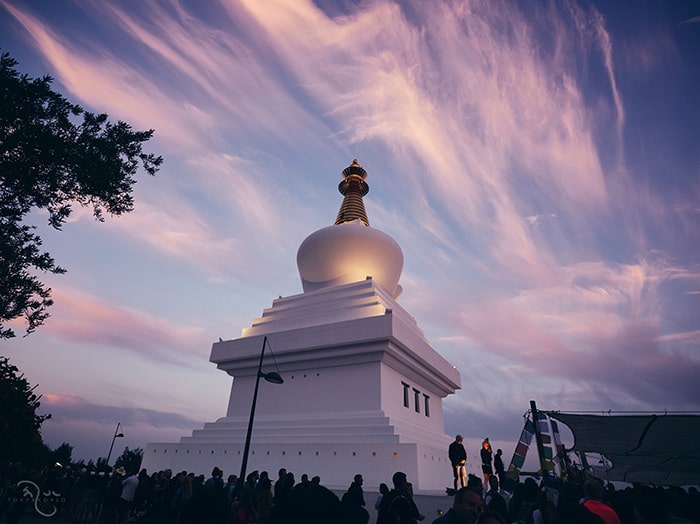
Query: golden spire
[353, 187]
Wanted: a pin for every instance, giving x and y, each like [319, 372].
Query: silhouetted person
[263, 499]
[398, 507]
[593, 493]
[524, 500]
[214, 503]
[305, 479]
[466, 508]
[143, 491]
[499, 467]
[283, 496]
[310, 503]
[282, 473]
[353, 503]
[383, 490]
[415, 512]
[110, 508]
[475, 482]
[243, 511]
[495, 501]
[230, 489]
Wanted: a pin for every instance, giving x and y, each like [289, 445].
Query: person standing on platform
[499, 467]
[486, 460]
[458, 460]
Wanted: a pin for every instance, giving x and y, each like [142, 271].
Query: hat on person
[459, 437]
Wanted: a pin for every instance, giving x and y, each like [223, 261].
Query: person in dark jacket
[398, 506]
[353, 503]
[486, 460]
[458, 460]
[499, 467]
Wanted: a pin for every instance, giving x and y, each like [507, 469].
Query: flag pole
[538, 437]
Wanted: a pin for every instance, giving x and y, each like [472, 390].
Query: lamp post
[272, 377]
[115, 437]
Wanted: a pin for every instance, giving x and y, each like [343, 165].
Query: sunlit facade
[363, 388]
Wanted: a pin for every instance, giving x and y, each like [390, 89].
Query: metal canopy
[663, 450]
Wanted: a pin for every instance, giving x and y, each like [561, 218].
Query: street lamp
[272, 377]
[115, 437]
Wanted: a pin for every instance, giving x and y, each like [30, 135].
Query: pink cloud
[83, 318]
[600, 324]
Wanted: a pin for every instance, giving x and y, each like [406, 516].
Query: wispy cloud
[550, 231]
[102, 80]
[87, 319]
[692, 20]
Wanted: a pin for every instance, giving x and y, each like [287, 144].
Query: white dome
[347, 253]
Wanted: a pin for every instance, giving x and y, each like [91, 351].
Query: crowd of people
[582, 498]
[83, 496]
[86, 496]
[572, 502]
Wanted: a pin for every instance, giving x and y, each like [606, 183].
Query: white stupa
[363, 388]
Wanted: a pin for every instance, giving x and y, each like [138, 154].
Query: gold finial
[353, 187]
[354, 169]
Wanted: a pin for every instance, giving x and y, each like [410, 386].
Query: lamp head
[273, 377]
[119, 435]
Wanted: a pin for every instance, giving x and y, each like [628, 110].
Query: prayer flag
[518, 461]
[521, 449]
[528, 432]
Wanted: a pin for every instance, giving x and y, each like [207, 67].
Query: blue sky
[537, 162]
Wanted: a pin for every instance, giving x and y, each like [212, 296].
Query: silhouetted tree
[20, 438]
[130, 459]
[53, 155]
[63, 453]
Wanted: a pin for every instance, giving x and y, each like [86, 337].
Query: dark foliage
[130, 459]
[54, 155]
[20, 438]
